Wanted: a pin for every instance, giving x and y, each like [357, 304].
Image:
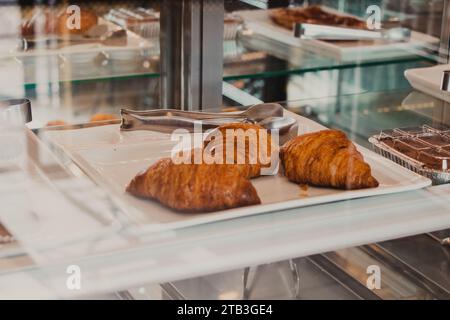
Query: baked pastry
[88, 19]
[247, 154]
[288, 17]
[46, 19]
[194, 187]
[327, 159]
[53, 123]
[103, 117]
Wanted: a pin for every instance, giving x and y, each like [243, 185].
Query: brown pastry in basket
[327, 159]
[194, 187]
[288, 17]
[244, 147]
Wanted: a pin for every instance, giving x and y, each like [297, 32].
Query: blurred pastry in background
[88, 19]
[145, 22]
[48, 21]
[142, 21]
[39, 22]
[288, 17]
[54, 123]
[5, 236]
[103, 117]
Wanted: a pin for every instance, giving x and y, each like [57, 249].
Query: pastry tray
[439, 174]
[151, 29]
[112, 158]
[259, 22]
[134, 42]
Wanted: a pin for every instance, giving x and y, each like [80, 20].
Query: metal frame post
[191, 42]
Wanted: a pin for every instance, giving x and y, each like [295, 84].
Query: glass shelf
[278, 59]
[107, 251]
[246, 58]
[267, 76]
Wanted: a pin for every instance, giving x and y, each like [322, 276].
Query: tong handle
[323, 32]
[131, 121]
[315, 31]
[195, 115]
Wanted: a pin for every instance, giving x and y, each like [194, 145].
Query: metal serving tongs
[166, 120]
[324, 32]
[254, 113]
[268, 115]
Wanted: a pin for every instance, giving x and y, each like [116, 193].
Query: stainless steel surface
[124, 295]
[296, 276]
[425, 255]
[394, 283]
[444, 242]
[437, 290]
[445, 33]
[445, 82]
[191, 53]
[15, 111]
[324, 32]
[292, 279]
[247, 286]
[172, 292]
[337, 273]
[245, 289]
[171, 35]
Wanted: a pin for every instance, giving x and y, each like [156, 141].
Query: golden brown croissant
[194, 187]
[328, 159]
[248, 154]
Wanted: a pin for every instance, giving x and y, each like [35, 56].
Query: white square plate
[112, 158]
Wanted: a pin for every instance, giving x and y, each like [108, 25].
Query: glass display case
[62, 173]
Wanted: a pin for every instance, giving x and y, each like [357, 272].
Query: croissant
[247, 157]
[194, 187]
[327, 159]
